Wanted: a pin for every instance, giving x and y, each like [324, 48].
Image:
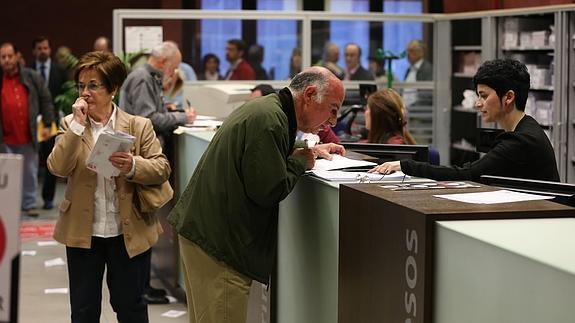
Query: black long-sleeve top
[523, 153]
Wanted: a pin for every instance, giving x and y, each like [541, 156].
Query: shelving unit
[531, 39]
[543, 39]
[466, 57]
[569, 60]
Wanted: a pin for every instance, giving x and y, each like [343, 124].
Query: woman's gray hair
[309, 77]
[167, 49]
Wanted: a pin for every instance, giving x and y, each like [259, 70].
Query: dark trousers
[49, 186]
[125, 278]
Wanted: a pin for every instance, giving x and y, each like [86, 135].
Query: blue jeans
[30, 182]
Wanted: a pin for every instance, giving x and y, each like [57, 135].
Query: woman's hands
[386, 168]
[123, 161]
[80, 111]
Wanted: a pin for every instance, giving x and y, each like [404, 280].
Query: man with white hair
[142, 93]
[227, 217]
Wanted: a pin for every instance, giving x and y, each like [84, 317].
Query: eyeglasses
[92, 86]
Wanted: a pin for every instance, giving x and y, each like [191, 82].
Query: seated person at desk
[385, 119]
[522, 151]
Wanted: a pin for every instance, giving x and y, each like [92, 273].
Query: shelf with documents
[531, 39]
[527, 49]
[543, 40]
[466, 38]
[468, 48]
[463, 75]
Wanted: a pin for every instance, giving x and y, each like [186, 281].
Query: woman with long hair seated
[385, 119]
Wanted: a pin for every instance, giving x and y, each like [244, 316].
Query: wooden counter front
[386, 247]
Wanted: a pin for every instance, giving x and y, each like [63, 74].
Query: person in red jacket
[239, 68]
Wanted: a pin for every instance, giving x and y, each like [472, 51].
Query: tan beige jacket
[68, 159]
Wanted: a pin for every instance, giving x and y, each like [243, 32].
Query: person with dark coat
[523, 150]
[354, 71]
[54, 75]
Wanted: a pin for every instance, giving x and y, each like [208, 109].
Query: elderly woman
[385, 119]
[102, 228]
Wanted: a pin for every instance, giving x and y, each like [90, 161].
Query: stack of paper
[108, 143]
[340, 162]
[343, 176]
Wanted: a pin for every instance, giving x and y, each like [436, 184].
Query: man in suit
[354, 71]
[419, 70]
[24, 96]
[54, 76]
[239, 68]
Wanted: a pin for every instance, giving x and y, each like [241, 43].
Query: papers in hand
[340, 162]
[108, 143]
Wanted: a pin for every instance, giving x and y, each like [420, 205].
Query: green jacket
[230, 205]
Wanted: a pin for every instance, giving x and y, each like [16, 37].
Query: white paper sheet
[203, 117]
[340, 162]
[54, 262]
[47, 243]
[173, 313]
[205, 123]
[108, 143]
[63, 290]
[343, 176]
[28, 252]
[494, 197]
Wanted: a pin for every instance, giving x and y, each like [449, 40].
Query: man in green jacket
[227, 217]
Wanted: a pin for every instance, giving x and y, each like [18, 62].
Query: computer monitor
[218, 100]
[386, 152]
[563, 193]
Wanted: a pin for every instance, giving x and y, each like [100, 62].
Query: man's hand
[308, 154]
[325, 150]
[191, 114]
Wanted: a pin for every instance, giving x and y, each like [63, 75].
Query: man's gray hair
[167, 49]
[306, 78]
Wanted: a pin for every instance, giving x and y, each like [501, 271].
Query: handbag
[150, 198]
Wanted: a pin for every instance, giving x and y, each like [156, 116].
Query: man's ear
[309, 93]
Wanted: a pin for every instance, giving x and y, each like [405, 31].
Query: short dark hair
[207, 57]
[108, 65]
[6, 44]
[503, 75]
[264, 88]
[39, 39]
[240, 44]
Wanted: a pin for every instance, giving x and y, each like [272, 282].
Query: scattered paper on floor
[173, 313]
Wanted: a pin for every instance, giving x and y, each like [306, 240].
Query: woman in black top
[522, 151]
